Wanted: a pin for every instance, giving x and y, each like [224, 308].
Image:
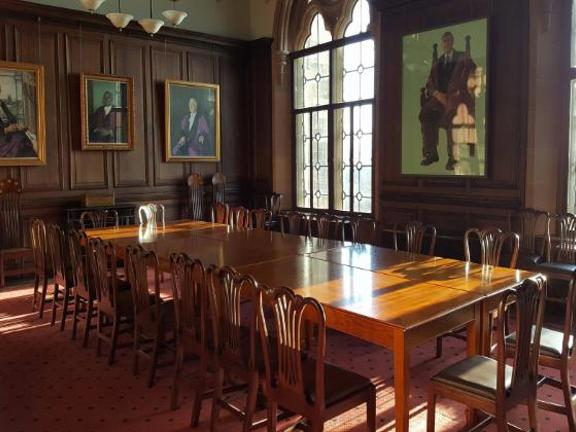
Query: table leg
[475, 340]
[401, 381]
[485, 329]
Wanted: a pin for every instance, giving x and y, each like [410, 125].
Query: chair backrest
[139, 264]
[218, 188]
[563, 226]
[260, 219]
[152, 214]
[189, 294]
[239, 217]
[274, 202]
[196, 196]
[99, 219]
[10, 214]
[415, 232]
[220, 213]
[78, 259]
[227, 290]
[292, 343]
[529, 307]
[39, 245]
[58, 253]
[364, 230]
[530, 224]
[102, 261]
[328, 227]
[492, 241]
[297, 223]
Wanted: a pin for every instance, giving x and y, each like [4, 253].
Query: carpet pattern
[50, 383]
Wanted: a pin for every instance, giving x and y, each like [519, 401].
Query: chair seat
[15, 251]
[528, 260]
[339, 383]
[475, 375]
[557, 268]
[550, 342]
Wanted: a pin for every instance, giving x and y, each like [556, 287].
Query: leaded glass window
[571, 186]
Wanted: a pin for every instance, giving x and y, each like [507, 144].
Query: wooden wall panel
[131, 168]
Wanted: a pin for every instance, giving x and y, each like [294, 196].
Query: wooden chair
[12, 245]
[297, 223]
[273, 202]
[99, 219]
[220, 213]
[84, 293]
[39, 245]
[300, 381]
[62, 273]
[196, 196]
[191, 309]
[218, 188]
[530, 224]
[239, 217]
[234, 345]
[152, 214]
[415, 232]
[492, 242]
[328, 227]
[364, 230]
[557, 352]
[560, 253]
[153, 318]
[491, 385]
[260, 219]
[115, 307]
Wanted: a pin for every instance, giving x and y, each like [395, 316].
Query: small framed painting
[106, 105]
[22, 121]
[444, 100]
[192, 122]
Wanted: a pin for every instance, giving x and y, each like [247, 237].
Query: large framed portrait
[444, 91]
[106, 105]
[22, 121]
[192, 121]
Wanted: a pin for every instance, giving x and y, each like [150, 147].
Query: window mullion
[351, 159]
[331, 132]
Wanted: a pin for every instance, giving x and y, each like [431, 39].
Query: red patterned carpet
[50, 383]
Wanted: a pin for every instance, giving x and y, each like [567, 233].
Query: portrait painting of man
[22, 135]
[192, 121]
[444, 101]
[106, 112]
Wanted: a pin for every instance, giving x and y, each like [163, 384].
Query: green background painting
[119, 90]
[179, 98]
[417, 62]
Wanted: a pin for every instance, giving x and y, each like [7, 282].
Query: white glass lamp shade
[119, 20]
[92, 5]
[174, 17]
[151, 26]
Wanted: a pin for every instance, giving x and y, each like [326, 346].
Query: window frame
[330, 108]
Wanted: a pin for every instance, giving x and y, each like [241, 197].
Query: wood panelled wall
[453, 204]
[68, 43]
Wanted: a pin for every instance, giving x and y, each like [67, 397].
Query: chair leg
[43, 297]
[218, 384]
[55, 303]
[371, 410]
[2, 275]
[113, 341]
[439, 347]
[431, 419]
[199, 392]
[154, 360]
[88, 322]
[65, 308]
[532, 411]
[75, 315]
[176, 376]
[35, 294]
[135, 350]
[251, 402]
[567, 392]
[501, 422]
[98, 333]
[272, 415]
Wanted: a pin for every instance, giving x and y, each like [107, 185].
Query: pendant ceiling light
[92, 5]
[174, 16]
[151, 25]
[119, 19]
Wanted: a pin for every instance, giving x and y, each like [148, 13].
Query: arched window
[333, 116]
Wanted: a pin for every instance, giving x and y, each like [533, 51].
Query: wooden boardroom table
[393, 299]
